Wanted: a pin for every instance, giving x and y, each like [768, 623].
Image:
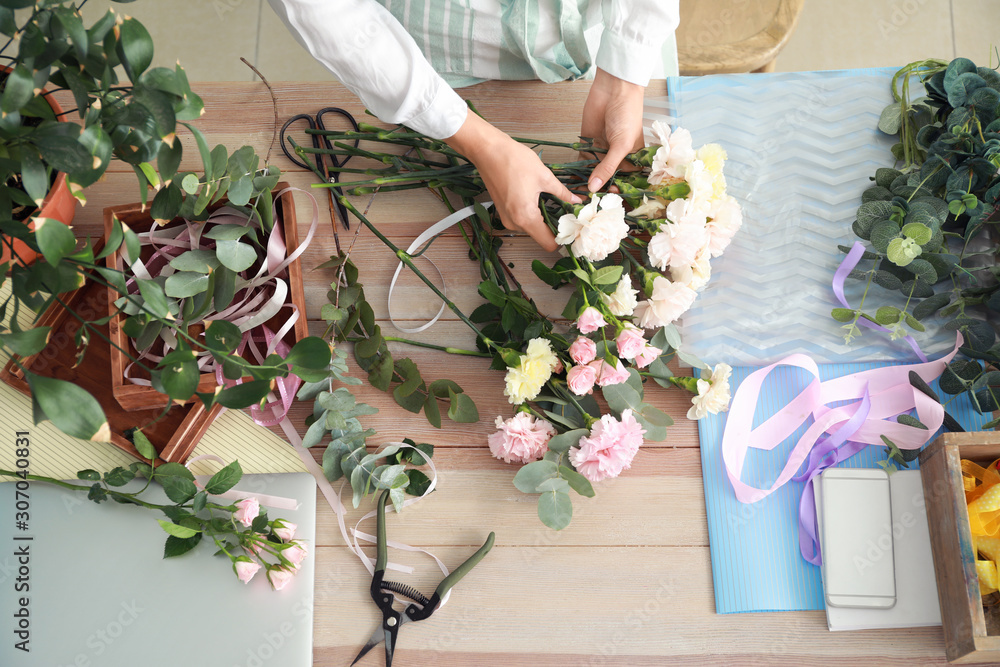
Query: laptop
[87, 586]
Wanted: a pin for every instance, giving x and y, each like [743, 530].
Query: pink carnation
[520, 439]
[279, 577]
[583, 350]
[581, 379]
[630, 342]
[609, 448]
[647, 356]
[590, 320]
[246, 511]
[245, 569]
[607, 374]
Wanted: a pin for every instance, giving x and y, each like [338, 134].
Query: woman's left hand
[612, 117]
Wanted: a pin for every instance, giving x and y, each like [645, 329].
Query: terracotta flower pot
[59, 204]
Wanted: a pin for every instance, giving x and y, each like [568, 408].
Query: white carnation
[595, 234]
[674, 154]
[726, 219]
[622, 301]
[669, 301]
[713, 394]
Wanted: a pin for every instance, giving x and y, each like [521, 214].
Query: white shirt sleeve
[634, 32]
[368, 51]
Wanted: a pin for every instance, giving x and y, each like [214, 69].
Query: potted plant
[126, 110]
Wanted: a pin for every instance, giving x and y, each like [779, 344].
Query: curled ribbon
[874, 398]
[982, 494]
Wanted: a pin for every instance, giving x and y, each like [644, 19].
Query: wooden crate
[137, 397]
[174, 436]
[962, 615]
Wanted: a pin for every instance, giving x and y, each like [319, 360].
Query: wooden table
[629, 582]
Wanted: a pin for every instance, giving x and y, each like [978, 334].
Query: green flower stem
[563, 389]
[430, 346]
[77, 487]
[686, 383]
[404, 257]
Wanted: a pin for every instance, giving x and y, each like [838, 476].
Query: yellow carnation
[537, 364]
[714, 156]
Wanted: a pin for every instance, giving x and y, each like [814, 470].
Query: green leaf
[182, 532]
[160, 108]
[180, 378]
[70, 407]
[167, 203]
[492, 292]
[135, 47]
[173, 470]
[64, 153]
[919, 232]
[891, 119]
[463, 409]
[89, 475]
[311, 352]
[26, 343]
[431, 411]
[222, 336]
[18, 90]
[842, 314]
[241, 190]
[55, 239]
[225, 479]
[419, 483]
[564, 441]
[243, 395]
[154, 299]
[621, 397]
[185, 284]
[531, 476]
[179, 490]
[175, 546]
[577, 482]
[235, 255]
[555, 509]
[411, 377]
[143, 445]
[887, 315]
[608, 275]
[380, 374]
[118, 476]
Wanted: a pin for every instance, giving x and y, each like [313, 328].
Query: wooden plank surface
[629, 582]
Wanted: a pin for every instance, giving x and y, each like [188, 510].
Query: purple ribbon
[845, 268]
[828, 452]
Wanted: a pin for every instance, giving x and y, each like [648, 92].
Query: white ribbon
[277, 502]
[423, 238]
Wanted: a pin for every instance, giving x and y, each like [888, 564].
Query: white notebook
[916, 588]
[101, 595]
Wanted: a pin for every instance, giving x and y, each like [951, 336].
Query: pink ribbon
[874, 398]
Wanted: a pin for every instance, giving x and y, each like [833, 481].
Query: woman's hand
[612, 117]
[514, 176]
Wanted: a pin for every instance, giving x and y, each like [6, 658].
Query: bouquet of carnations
[633, 262]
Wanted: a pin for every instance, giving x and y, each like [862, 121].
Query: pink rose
[279, 577]
[246, 511]
[609, 449]
[583, 350]
[521, 439]
[606, 374]
[284, 530]
[630, 342]
[590, 320]
[648, 355]
[581, 379]
[295, 554]
[245, 568]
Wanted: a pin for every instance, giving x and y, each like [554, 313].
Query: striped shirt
[403, 57]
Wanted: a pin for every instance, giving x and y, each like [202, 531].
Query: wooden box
[962, 615]
[174, 436]
[137, 397]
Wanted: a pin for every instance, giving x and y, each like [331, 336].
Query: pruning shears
[421, 608]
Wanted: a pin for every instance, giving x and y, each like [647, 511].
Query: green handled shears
[422, 606]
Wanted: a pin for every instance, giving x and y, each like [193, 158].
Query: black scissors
[382, 590]
[321, 143]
